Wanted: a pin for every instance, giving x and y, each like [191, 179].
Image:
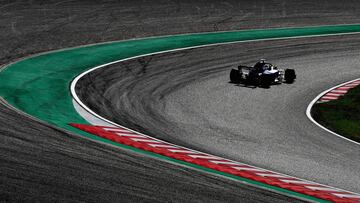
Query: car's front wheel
[289, 75]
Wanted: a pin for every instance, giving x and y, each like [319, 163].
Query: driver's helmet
[259, 65]
[266, 67]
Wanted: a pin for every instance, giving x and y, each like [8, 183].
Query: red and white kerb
[147, 143]
[338, 91]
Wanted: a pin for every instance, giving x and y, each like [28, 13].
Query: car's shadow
[250, 86]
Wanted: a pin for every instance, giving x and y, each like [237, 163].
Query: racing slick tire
[235, 76]
[289, 75]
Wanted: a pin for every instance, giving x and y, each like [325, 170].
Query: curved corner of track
[330, 94]
[255, 176]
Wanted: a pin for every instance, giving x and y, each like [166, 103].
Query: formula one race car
[262, 74]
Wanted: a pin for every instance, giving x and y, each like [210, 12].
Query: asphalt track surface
[40, 162]
[186, 98]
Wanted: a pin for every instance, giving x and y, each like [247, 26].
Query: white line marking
[240, 168]
[183, 151]
[333, 94]
[130, 135]
[144, 140]
[352, 85]
[347, 195]
[322, 188]
[326, 100]
[339, 91]
[223, 162]
[301, 182]
[204, 157]
[115, 129]
[124, 132]
[270, 175]
[344, 88]
[329, 98]
[162, 146]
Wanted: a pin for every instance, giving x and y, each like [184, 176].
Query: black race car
[261, 74]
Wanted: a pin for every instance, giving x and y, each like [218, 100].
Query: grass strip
[342, 115]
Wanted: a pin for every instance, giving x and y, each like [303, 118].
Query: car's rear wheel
[289, 75]
[235, 76]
